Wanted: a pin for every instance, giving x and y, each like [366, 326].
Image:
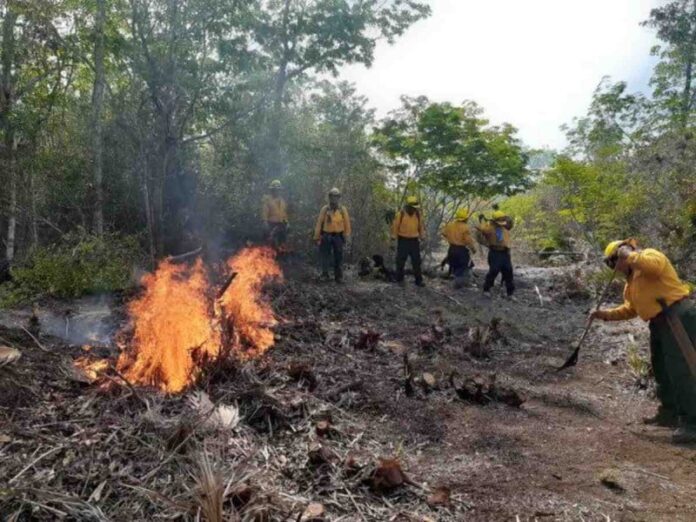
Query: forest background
[135, 129]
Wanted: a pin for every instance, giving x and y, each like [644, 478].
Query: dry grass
[638, 364]
[86, 452]
[210, 490]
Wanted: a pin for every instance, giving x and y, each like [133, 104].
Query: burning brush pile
[182, 322]
[267, 440]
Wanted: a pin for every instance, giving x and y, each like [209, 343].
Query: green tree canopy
[453, 150]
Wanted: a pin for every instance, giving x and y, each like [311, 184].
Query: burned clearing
[251, 251]
[378, 402]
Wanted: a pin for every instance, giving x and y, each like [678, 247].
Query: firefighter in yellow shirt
[408, 229]
[461, 246]
[497, 237]
[653, 290]
[331, 232]
[274, 212]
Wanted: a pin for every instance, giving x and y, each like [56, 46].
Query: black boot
[664, 417]
[685, 433]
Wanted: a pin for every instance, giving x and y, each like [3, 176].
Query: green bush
[581, 200]
[80, 264]
[533, 223]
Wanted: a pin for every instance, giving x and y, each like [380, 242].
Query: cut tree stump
[484, 390]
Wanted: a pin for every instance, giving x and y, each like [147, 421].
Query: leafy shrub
[639, 366]
[580, 200]
[79, 264]
[533, 222]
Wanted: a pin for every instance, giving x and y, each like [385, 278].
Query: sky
[531, 63]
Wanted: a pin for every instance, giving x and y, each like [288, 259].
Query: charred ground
[363, 371]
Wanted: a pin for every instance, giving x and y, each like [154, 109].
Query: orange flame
[91, 368]
[243, 303]
[172, 318]
[176, 325]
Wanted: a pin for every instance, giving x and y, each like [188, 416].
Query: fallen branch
[183, 257]
[226, 285]
[352, 386]
[36, 341]
[455, 301]
[33, 462]
[128, 384]
[408, 377]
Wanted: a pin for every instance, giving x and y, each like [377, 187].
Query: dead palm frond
[8, 355]
[221, 417]
[210, 490]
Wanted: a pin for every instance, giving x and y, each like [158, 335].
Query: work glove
[593, 315]
[624, 252]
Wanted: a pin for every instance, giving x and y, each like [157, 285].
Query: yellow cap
[412, 201]
[275, 184]
[462, 214]
[334, 192]
[498, 214]
[612, 248]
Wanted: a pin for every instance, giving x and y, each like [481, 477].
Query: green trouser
[676, 387]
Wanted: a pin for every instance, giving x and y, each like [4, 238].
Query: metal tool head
[572, 360]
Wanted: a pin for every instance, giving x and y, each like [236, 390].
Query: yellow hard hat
[275, 184]
[612, 248]
[334, 192]
[498, 215]
[412, 201]
[462, 214]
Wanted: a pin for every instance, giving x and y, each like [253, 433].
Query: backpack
[326, 218]
[401, 218]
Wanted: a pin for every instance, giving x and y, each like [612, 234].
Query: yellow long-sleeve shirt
[492, 232]
[457, 233]
[408, 226]
[653, 278]
[274, 209]
[332, 221]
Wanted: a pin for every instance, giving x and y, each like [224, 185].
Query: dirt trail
[542, 461]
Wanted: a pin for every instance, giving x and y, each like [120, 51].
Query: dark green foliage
[203, 100]
[673, 79]
[451, 156]
[453, 150]
[79, 264]
[629, 169]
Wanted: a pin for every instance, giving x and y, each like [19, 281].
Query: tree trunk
[149, 215]
[687, 95]
[275, 167]
[12, 207]
[97, 126]
[7, 57]
[32, 209]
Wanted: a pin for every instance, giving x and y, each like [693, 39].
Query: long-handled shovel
[573, 359]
